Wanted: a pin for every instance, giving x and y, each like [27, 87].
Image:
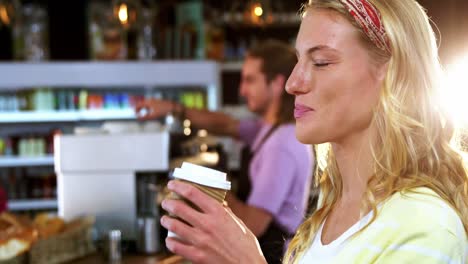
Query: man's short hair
[278, 58]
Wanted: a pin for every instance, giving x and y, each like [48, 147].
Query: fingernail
[170, 184]
[169, 244]
[163, 204]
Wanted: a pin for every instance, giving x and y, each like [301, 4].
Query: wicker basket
[73, 243]
[21, 259]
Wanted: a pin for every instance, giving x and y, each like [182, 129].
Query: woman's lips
[301, 110]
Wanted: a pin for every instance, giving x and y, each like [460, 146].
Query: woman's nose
[295, 84]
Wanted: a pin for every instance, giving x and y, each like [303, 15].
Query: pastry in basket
[48, 225]
[16, 236]
[73, 242]
[74, 224]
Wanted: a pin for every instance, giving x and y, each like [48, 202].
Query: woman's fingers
[187, 233]
[183, 211]
[194, 195]
[188, 246]
[187, 251]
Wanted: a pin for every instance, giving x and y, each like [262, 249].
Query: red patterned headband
[370, 20]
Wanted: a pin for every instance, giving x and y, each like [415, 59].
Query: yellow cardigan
[414, 227]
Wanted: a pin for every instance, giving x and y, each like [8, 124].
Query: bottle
[83, 99]
[215, 39]
[114, 245]
[146, 48]
[30, 34]
[22, 147]
[40, 146]
[2, 146]
[30, 146]
[107, 37]
[8, 151]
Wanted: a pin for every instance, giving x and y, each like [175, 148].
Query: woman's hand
[153, 108]
[216, 235]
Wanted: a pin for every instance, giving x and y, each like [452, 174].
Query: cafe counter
[133, 259]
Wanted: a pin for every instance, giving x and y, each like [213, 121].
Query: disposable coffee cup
[211, 182]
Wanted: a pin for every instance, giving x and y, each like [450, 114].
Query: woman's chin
[304, 137]
[308, 136]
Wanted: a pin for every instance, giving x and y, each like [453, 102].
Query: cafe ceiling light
[4, 15]
[7, 11]
[126, 11]
[123, 14]
[259, 12]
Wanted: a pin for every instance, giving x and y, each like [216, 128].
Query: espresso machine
[117, 178]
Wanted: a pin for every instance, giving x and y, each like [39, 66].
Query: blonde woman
[394, 190]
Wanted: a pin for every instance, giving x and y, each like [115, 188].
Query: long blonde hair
[414, 135]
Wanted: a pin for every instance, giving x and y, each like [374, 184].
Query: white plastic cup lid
[203, 170]
[202, 175]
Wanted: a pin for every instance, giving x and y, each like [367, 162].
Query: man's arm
[256, 219]
[215, 122]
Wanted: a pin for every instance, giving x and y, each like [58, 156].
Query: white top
[324, 254]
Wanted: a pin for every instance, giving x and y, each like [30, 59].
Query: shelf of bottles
[87, 91]
[83, 86]
[65, 105]
[27, 186]
[73, 105]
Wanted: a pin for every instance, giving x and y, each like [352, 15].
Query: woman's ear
[382, 71]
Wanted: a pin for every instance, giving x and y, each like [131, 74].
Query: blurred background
[69, 64]
[74, 67]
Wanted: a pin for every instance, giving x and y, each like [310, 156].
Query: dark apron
[273, 239]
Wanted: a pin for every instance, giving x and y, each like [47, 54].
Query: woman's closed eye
[321, 64]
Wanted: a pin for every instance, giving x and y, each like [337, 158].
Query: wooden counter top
[132, 259]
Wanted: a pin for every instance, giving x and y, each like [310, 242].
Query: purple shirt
[280, 172]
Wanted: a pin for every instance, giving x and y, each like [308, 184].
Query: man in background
[276, 169]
